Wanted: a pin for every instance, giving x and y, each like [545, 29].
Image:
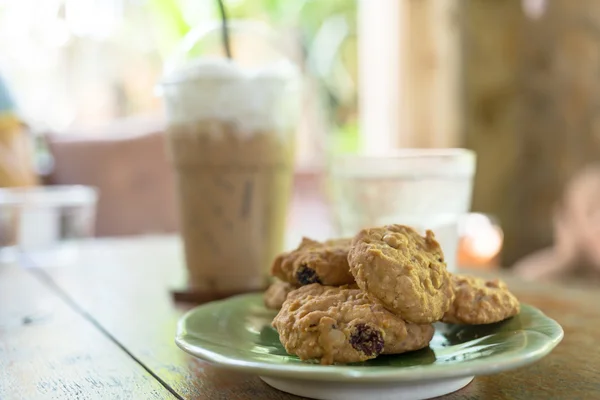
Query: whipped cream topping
[257, 100]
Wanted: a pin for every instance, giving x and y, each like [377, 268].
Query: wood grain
[125, 287]
[572, 370]
[49, 351]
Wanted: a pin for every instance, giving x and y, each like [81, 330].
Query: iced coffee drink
[231, 136]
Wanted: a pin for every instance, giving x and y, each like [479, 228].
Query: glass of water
[422, 188]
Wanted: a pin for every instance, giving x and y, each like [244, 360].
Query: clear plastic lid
[257, 51]
[258, 88]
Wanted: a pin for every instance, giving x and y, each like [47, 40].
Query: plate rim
[341, 373]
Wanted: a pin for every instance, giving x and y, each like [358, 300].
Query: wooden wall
[522, 90]
[532, 110]
[491, 46]
[409, 67]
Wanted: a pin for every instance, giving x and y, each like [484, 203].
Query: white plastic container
[39, 219]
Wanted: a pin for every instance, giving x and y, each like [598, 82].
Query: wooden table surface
[102, 327]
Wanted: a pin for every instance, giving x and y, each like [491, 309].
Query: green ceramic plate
[236, 333]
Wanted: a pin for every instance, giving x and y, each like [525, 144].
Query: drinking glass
[422, 188]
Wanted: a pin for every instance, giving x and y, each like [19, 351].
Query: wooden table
[103, 327]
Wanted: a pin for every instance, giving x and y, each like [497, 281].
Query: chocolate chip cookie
[403, 270]
[342, 324]
[479, 301]
[276, 294]
[315, 262]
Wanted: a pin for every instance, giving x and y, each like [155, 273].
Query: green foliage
[327, 31]
[167, 17]
[345, 138]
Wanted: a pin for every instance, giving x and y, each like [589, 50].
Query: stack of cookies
[350, 300]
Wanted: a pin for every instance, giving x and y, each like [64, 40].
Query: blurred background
[517, 81]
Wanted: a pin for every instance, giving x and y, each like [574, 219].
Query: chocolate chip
[367, 339]
[306, 276]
